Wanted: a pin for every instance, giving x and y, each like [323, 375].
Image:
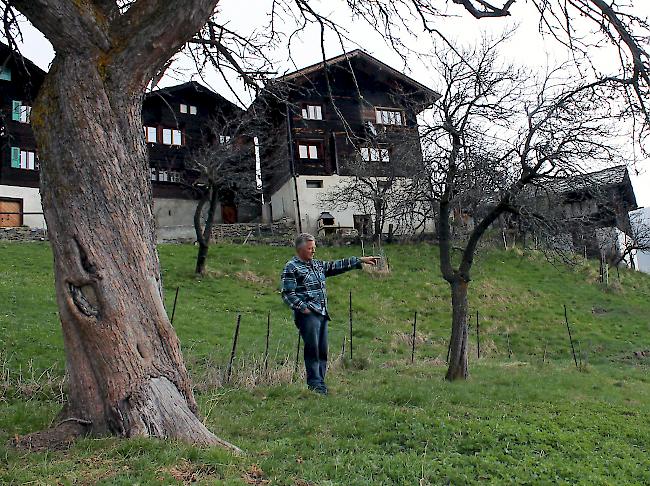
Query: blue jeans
[313, 330]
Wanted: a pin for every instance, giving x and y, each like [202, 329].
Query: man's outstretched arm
[337, 267]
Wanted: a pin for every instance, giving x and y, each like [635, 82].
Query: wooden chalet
[333, 115]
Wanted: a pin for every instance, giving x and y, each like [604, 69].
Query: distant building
[20, 200]
[362, 110]
[177, 121]
[592, 211]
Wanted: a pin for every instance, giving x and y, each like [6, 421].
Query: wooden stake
[268, 334]
[573, 350]
[234, 348]
[415, 323]
[509, 348]
[174, 308]
[295, 369]
[350, 325]
[343, 347]
[544, 357]
[478, 339]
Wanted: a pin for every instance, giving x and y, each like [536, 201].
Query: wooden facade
[334, 109]
[180, 120]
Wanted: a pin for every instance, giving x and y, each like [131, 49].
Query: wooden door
[14, 206]
[229, 214]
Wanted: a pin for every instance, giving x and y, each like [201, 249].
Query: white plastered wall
[311, 206]
[31, 203]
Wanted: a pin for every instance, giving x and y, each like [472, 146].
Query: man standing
[303, 289]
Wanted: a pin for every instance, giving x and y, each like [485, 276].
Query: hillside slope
[526, 415]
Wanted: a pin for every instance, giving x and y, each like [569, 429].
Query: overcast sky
[527, 47]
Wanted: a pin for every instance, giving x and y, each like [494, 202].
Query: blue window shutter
[15, 110]
[15, 157]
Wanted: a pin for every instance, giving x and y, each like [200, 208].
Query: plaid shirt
[303, 284]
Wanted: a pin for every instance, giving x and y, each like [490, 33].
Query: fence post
[478, 339]
[566, 319]
[295, 369]
[268, 334]
[174, 308]
[234, 348]
[350, 325]
[415, 323]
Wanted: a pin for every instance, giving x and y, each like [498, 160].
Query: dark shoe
[322, 390]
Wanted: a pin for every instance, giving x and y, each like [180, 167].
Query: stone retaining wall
[23, 233]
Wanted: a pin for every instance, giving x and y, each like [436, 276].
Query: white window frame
[389, 116]
[27, 159]
[375, 154]
[148, 132]
[193, 110]
[308, 150]
[153, 174]
[172, 136]
[175, 176]
[183, 108]
[312, 112]
[25, 113]
[224, 139]
[163, 176]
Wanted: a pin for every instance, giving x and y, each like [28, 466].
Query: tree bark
[125, 370]
[458, 369]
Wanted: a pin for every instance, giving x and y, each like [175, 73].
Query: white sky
[526, 47]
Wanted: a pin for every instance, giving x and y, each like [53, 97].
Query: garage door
[10, 206]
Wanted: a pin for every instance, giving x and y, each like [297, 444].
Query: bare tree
[496, 133]
[226, 166]
[635, 240]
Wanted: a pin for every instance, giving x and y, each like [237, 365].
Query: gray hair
[303, 238]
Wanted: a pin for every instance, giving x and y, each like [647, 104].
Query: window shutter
[15, 110]
[15, 157]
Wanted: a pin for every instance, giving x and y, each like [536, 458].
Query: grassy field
[521, 419]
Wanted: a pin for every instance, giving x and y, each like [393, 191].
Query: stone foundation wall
[23, 233]
[276, 234]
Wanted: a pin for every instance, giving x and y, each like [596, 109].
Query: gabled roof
[617, 176]
[191, 86]
[360, 54]
[31, 68]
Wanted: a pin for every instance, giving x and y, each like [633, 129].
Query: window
[224, 139]
[314, 184]
[28, 160]
[193, 110]
[151, 134]
[174, 176]
[389, 116]
[20, 112]
[153, 174]
[308, 150]
[163, 176]
[183, 108]
[5, 73]
[171, 136]
[23, 159]
[371, 154]
[312, 112]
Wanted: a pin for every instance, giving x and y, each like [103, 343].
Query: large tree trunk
[458, 345]
[125, 370]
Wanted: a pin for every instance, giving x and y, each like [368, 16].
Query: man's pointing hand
[370, 260]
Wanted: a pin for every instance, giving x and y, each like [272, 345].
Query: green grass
[515, 420]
